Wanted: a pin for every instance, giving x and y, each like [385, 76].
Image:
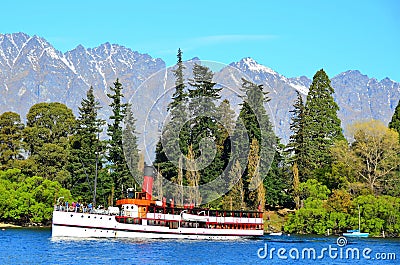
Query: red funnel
[148, 182]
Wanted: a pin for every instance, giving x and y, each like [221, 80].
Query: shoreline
[5, 225]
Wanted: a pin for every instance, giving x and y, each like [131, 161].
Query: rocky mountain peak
[32, 71]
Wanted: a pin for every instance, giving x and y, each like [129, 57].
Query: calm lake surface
[35, 246]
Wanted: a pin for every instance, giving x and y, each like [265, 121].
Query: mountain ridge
[32, 71]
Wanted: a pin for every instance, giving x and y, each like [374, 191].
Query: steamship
[139, 216]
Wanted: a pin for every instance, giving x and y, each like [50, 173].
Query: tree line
[319, 173]
[65, 156]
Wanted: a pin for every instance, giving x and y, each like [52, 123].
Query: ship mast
[359, 219]
[96, 172]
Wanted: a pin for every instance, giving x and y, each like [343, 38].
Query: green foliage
[131, 150]
[226, 126]
[296, 142]
[119, 170]
[46, 137]
[253, 123]
[378, 214]
[234, 200]
[372, 158]
[86, 149]
[340, 213]
[28, 199]
[10, 139]
[278, 182]
[204, 127]
[174, 140]
[48, 123]
[321, 128]
[312, 189]
[395, 121]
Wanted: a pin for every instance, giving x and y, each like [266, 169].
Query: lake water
[35, 246]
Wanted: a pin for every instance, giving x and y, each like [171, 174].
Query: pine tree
[226, 119]
[296, 141]
[86, 149]
[204, 130]
[277, 182]
[180, 95]
[321, 128]
[118, 168]
[395, 121]
[253, 123]
[130, 148]
[174, 140]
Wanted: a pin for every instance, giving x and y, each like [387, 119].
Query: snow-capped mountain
[32, 71]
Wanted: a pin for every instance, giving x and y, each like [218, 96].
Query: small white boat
[356, 232]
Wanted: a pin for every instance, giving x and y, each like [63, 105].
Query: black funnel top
[148, 171]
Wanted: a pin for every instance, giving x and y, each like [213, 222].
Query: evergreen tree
[180, 95]
[395, 121]
[10, 139]
[204, 129]
[277, 183]
[226, 118]
[174, 140]
[131, 150]
[296, 141]
[321, 129]
[118, 168]
[253, 123]
[87, 149]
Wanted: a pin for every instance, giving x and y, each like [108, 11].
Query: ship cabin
[136, 204]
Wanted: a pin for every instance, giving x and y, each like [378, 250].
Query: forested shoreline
[319, 174]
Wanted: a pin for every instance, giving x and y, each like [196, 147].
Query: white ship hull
[84, 225]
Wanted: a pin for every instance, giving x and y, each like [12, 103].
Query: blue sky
[292, 37]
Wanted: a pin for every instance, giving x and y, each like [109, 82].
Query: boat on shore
[356, 232]
[139, 216]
